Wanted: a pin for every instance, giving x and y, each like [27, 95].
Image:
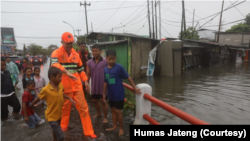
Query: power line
[71, 11]
[131, 19]
[166, 30]
[132, 13]
[238, 10]
[174, 11]
[141, 27]
[52, 2]
[37, 37]
[219, 12]
[93, 5]
[226, 23]
[111, 15]
[43, 1]
[229, 7]
[132, 23]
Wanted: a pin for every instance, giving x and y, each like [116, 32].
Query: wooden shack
[132, 50]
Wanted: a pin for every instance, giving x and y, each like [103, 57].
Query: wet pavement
[215, 94]
[16, 130]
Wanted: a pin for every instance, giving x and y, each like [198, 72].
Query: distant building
[206, 34]
[8, 42]
[234, 38]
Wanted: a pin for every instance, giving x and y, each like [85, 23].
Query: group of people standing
[69, 75]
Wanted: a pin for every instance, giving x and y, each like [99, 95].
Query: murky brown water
[215, 94]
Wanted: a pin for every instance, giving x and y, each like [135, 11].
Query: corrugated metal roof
[94, 34]
[205, 29]
[217, 44]
[111, 42]
[191, 46]
[233, 32]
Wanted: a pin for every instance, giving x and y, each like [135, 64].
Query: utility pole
[149, 21]
[153, 19]
[92, 27]
[85, 4]
[160, 18]
[218, 35]
[193, 24]
[184, 18]
[193, 19]
[78, 31]
[196, 25]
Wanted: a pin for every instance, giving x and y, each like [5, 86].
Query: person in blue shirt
[114, 73]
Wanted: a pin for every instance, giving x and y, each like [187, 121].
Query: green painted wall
[121, 53]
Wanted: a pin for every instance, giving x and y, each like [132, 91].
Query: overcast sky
[105, 15]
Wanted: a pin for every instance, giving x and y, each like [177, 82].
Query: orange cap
[67, 37]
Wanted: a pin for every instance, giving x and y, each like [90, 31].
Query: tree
[190, 33]
[247, 19]
[241, 27]
[50, 48]
[24, 49]
[34, 49]
[80, 39]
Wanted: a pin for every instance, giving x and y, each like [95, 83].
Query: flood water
[214, 94]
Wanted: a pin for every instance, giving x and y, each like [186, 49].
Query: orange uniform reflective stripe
[73, 64]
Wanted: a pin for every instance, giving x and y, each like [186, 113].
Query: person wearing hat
[68, 61]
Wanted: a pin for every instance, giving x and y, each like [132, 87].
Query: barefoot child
[95, 71]
[114, 73]
[52, 93]
[40, 83]
[30, 117]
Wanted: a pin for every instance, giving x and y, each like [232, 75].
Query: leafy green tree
[247, 19]
[75, 46]
[190, 33]
[24, 49]
[241, 27]
[34, 49]
[50, 49]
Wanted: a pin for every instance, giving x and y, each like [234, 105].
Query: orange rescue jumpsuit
[73, 89]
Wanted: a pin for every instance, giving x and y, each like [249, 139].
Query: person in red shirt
[84, 55]
[30, 117]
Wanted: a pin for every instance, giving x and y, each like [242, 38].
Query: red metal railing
[189, 118]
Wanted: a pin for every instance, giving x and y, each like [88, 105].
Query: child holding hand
[52, 93]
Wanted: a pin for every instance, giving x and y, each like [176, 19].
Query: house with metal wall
[203, 53]
[234, 38]
[132, 50]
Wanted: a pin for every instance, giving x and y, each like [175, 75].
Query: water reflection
[215, 94]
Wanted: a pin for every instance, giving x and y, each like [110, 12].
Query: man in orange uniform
[68, 61]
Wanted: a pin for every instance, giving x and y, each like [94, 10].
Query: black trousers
[13, 102]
